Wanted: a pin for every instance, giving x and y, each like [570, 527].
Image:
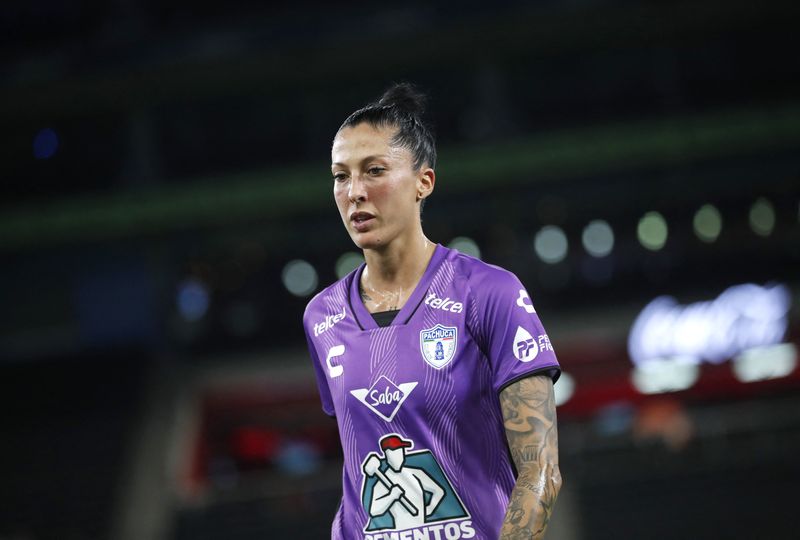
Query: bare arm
[529, 414]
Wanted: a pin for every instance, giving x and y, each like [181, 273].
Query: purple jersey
[425, 451]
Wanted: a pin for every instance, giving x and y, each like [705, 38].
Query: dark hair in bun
[401, 106]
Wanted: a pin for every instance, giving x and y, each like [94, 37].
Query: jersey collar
[364, 317]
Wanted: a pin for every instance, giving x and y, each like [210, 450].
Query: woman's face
[375, 185]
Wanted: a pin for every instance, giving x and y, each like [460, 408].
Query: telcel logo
[329, 321]
[444, 304]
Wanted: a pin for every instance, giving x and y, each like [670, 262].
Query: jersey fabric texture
[416, 401]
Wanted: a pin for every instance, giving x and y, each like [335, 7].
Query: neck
[399, 265]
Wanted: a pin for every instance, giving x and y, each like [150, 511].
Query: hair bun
[404, 97]
[401, 107]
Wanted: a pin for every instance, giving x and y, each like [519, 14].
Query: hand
[396, 493]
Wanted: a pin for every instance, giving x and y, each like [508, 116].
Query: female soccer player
[435, 364]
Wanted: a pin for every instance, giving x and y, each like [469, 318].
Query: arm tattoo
[529, 414]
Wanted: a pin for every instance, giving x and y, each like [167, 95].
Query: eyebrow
[368, 158]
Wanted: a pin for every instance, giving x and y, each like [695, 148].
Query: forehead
[355, 142]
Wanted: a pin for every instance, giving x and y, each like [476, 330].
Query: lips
[361, 220]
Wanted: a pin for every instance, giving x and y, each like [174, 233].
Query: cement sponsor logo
[408, 496]
[447, 531]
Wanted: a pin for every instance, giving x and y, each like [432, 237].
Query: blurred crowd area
[166, 213]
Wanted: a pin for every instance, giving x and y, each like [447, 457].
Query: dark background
[161, 163]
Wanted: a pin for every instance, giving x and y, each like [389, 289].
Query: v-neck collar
[364, 317]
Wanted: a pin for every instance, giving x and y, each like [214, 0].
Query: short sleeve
[512, 335]
[322, 381]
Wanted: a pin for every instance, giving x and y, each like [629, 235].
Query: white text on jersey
[329, 321]
[384, 398]
[444, 304]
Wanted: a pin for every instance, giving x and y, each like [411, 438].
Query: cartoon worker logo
[405, 489]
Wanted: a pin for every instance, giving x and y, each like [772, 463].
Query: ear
[426, 180]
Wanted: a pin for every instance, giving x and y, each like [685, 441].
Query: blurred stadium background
[166, 213]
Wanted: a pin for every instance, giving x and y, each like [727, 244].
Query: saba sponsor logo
[384, 398]
[445, 304]
[329, 321]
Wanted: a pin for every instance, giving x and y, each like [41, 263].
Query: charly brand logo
[384, 398]
[329, 321]
[407, 495]
[445, 304]
[524, 301]
[525, 347]
[438, 345]
[334, 369]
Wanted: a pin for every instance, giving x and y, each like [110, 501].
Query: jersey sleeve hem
[553, 370]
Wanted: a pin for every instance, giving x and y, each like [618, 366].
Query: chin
[366, 241]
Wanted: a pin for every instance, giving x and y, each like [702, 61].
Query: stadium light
[598, 238]
[347, 262]
[707, 223]
[465, 245]
[652, 231]
[762, 217]
[551, 244]
[299, 278]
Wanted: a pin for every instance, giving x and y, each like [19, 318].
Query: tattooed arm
[529, 414]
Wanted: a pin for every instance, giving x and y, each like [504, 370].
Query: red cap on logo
[392, 442]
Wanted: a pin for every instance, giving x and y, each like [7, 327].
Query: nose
[357, 191]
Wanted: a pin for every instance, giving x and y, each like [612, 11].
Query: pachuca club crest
[438, 345]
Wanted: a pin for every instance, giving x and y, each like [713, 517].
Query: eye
[339, 177]
[375, 171]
